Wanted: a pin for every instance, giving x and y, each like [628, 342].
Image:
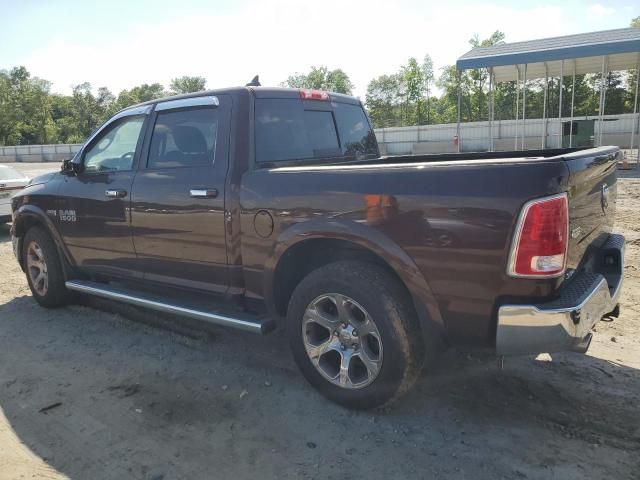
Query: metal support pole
[601, 104]
[573, 97]
[515, 146]
[604, 95]
[491, 109]
[560, 104]
[544, 107]
[524, 104]
[459, 102]
[635, 120]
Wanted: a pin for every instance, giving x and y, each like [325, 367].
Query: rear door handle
[203, 192]
[115, 193]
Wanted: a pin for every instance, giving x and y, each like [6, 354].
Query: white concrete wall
[38, 153]
[474, 136]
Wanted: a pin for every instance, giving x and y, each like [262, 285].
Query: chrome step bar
[248, 324]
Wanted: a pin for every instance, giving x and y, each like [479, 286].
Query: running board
[241, 321]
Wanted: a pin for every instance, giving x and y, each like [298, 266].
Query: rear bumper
[565, 323]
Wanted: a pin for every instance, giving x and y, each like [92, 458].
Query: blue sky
[119, 44]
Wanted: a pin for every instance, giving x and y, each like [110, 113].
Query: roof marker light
[308, 94]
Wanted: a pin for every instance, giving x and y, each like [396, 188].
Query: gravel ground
[133, 395]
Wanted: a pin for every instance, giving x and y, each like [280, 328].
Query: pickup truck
[271, 209]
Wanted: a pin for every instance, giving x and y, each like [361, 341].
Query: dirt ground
[135, 396]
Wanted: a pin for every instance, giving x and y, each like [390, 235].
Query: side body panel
[452, 220]
[39, 203]
[96, 228]
[592, 200]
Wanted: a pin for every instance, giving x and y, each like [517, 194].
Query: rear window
[358, 140]
[285, 130]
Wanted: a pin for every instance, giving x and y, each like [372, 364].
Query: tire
[39, 254]
[393, 345]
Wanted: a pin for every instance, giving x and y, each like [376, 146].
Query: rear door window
[184, 138]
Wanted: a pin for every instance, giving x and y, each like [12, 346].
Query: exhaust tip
[583, 346]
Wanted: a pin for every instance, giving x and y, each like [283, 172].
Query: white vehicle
[10, 182]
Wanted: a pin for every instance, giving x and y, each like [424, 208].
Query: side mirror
[69, 167]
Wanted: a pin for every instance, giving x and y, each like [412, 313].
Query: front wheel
[354, 334]
[43, 268]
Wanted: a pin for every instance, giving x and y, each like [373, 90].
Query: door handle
[115, 193]
[203, 192]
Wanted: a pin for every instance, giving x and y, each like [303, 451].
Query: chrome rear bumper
[565, 323]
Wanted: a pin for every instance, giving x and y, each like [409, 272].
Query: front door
[178, 208]
[93, 211]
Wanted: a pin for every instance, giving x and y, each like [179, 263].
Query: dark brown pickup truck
[259, 208]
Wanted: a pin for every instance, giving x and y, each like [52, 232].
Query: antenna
[255, 82]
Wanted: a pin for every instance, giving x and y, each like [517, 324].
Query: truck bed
[510, 155]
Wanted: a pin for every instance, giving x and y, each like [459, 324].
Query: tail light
[307, 94]
[539, 246]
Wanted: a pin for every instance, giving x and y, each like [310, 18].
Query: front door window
[115, 149]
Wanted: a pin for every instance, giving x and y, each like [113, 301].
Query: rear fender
[365, 237]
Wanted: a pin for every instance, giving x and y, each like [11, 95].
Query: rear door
[178, 207]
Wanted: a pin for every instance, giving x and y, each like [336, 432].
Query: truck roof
[259, 92]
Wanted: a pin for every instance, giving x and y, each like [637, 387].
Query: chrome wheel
[342, 341]
[37, 269]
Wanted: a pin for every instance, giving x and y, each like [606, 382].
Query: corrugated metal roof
[593, 44]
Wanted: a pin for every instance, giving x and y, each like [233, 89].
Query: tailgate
[592, 198]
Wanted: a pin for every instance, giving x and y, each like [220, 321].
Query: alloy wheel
[37, 269]
[342, 341]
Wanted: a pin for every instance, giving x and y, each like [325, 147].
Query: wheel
[354, 334]
[43, 269]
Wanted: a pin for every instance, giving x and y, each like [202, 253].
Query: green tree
[383, 100]
[25, 116]
[448, 83]
[139, 94]
[479, 77]
[414, 92]
[429, 78]
[187, 84]
[321, 78]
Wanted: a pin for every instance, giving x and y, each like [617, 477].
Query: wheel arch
[29, 216]
[297, 253]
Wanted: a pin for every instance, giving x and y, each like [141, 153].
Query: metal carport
[573, 55]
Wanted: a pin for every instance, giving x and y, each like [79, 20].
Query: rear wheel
[43, 268]
[354, 334]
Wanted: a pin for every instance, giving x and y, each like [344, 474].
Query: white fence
[38, 153]
[474, 136]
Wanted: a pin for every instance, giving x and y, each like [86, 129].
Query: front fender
[364, 236]
[27, 215]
